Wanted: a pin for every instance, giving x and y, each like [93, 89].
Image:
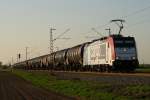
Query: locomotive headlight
[133, 57]
[117, 57]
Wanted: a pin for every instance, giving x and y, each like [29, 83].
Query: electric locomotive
[114, 52]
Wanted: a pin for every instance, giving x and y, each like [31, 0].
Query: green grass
[139, 91]
[84, 89]
[143, 69]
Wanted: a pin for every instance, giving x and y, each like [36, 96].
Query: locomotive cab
[125, 52]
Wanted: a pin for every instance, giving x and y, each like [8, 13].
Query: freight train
[111, 53]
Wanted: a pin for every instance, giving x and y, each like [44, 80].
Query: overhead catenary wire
[137, 23]
[88, 37]
[123, 17]
[131, 14]
[126, 16]
[94, 29]
[59, 36]
[136, 12]
[99, 27]
[97, 32]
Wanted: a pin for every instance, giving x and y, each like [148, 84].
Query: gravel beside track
[16, 88]
[113, 78]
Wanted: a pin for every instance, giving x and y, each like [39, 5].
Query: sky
[25, 23]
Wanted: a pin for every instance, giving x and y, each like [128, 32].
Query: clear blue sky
[25, 23]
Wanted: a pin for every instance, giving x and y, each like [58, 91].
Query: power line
[91, 37]
[138, 23]
[136, 12]
[131, 14]
[126, 16]
[59, 36]
[99, 27]
[103, 25]
[97, 32]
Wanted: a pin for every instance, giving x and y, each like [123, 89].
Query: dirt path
[15, 88]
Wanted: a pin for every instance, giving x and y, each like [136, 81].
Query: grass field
[86, 90]
[143, 69]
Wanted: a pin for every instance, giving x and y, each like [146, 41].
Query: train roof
[114, 36]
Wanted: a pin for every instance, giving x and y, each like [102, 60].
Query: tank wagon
[112, 53]
[74, 57]
[60, 60]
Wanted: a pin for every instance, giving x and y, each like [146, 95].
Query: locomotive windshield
[124, 42]
[125, 48]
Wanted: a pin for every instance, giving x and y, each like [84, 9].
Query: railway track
[100, 73]
[103, 77]
[113, 74]
[112, 78]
